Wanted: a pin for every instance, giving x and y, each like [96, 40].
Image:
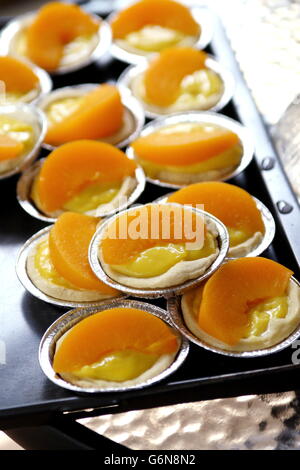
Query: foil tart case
[25, 182]
[21, 271]
[131, 104]
[223, 240]
[132, 72]
[71, 318]
[200, 14]
[10, 32]
[201, 117]
[174, 309]
[268, 221]
[36, 118]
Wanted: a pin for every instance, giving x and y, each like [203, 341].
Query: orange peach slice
[9, 148]
[231, 292]
[55, 25]
[229, 203]
[163, 77]
[184, 148]
[113, 330]
[100, 114]
[69, 241]
[160, 223]
[76, 165]
[165, 13]
[17, 76]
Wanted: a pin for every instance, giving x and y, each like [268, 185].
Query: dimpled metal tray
[26, 395]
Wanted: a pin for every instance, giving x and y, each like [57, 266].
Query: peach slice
[100, 114]
[157, 225]
[231, 292]
[17, 76]
[76, 165]
[55, 25]
[229, 203]
[69, 241]
[9, 148]
[165, 13]
[113, 330]
[163, 77]
[184, 148]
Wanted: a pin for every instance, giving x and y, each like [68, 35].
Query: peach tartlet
[21, 132]
[181, 150]
[248, 304]
[84, 176]
[87, 112]
[152, 25]
[233, 206]
[157, 246]
[118, 347]
[178, 79]
[23, 82]
[57, 37]
[58, 263]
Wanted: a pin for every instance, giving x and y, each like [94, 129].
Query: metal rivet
[268, 163]
[284, 207]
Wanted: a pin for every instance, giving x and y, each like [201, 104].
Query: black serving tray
[27, 397]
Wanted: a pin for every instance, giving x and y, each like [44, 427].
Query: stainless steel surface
[15, 26]
[201, 117]
[265, 422]
[287, 139]
[25, 182]
[133, 71]
[268, 221]
[38, 119]
[21, 271]
[201, 15]
[130, 103]
[174, 308]
[71, 318]
[95, 263]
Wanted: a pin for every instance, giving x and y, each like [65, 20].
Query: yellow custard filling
[17, 130]
[92, 197]
[80, 46]
[205, 82]
[61, 108]
[154, 38]
[14, 96]
[195, 89]
[159, 259]
[44, 266]
[118, 366]
[237, 236]
[230, 158]
[227, 159]
[259, 315]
